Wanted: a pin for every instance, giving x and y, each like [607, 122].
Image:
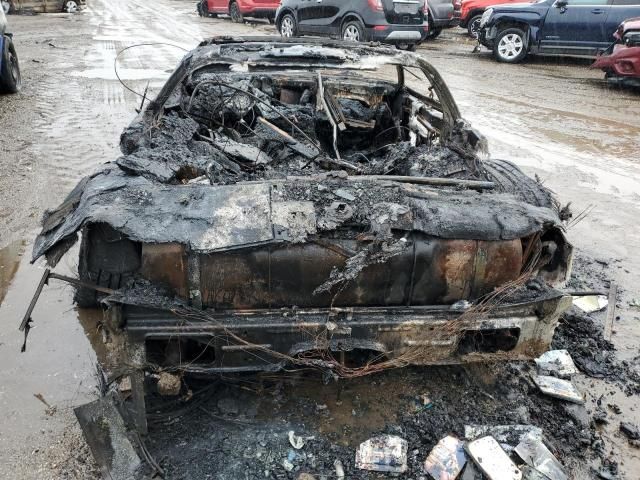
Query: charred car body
[276, 204]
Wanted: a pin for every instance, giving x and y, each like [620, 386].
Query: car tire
[353, 31]
[235, 13]
[510, 45]
[409, 47]
[71, 6]
[10, 78]
[287, 26]
[473, 27]
[201, 8]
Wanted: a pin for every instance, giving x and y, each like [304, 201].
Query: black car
[400, 22]
[9, 68]
[553, 27]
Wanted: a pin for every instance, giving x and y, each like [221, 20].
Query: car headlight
[486, 16]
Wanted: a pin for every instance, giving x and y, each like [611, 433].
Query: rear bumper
[623, 63]
[269, 340]
[397, 33]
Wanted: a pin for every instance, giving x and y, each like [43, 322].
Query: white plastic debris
[287, 464]
[591, 303]
[507, 435]
[297, 441]
[489, 456]
[386, 453]
[557, 363]
[339, 469]
[446, 460]
[558, 388]
[537, 455]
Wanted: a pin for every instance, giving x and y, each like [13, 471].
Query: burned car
[310, 203]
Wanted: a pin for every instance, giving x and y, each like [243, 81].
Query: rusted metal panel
[434, 271]
[166, 264]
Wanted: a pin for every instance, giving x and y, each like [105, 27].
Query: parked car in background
[238, 9]
[472, 10]
[553, 27]
[621, 61]
[442, 14]
[10, 80]
[400, 22]
[42, 6]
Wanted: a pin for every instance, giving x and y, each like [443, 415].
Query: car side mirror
[561, 4]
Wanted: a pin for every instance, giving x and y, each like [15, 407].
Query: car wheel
[473, 27]
[433, 32]
[409, 47]
[235, 13]
[352, 31]
[288, 28]
[10, 79]
[510, 45]
[201, 8]
[70, 6]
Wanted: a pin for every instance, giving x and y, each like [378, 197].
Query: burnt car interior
[304, 202]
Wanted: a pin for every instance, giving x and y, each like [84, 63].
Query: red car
[621, 61]
[472, 11]
[238, 9]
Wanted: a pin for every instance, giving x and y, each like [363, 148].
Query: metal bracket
[25, 325]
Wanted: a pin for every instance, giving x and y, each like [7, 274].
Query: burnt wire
[581, 216]
[115, 62]
[257, 99]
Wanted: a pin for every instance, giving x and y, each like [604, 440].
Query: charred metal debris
[311, 203]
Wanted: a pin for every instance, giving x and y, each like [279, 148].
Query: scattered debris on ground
[386, 453]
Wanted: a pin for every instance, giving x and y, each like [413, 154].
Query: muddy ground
[557, 120]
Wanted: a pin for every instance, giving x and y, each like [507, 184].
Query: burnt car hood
[211, 218]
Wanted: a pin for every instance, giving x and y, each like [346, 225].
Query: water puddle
[9, 262]
[60, 358]
[123, 73]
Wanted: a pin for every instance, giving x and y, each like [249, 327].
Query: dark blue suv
[553, 27]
